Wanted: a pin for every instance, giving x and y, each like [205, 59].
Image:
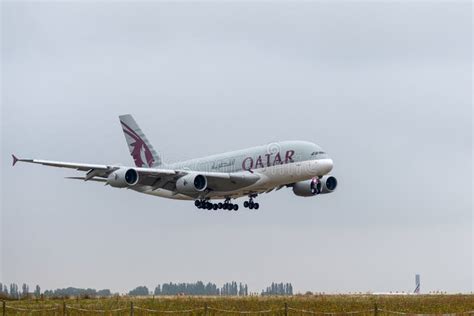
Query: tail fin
[139, 146]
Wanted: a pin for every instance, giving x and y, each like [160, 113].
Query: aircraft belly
[162, 193]
[268, 179]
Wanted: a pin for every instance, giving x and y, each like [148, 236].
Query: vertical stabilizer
[140, 148]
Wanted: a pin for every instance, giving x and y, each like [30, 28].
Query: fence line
[168, 312]
[304, 311]
[286, 309]
[416, 314]
[123, 309]
[246, 312]
[21, 309]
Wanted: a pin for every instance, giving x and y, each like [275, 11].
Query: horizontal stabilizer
[15, 159]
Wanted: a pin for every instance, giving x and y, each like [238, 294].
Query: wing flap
[84, 179]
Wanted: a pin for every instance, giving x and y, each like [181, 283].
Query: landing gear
[204, 204]
[251, 204]
[230, 206]
[227, 205]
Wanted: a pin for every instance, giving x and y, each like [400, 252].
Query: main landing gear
[227, 205]
[250, 203]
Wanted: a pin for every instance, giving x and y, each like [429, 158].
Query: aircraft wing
[153, 178]
[94, 170]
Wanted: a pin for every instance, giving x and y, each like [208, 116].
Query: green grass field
[297, 305]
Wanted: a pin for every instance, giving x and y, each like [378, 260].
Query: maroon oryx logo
[139, 147]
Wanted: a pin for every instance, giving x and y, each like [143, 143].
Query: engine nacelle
[123, 178]
[307, 187]
[191, 183]
[329, 184]
[315, 186]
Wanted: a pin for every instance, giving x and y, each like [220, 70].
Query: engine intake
[191, 183]
[329, 184]
[123, 178]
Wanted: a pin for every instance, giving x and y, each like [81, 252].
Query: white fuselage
[276, 164]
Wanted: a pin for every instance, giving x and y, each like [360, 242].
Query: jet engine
[191, 183]
[123, 178]
[315, 186]
[307, 187]
[329, 184]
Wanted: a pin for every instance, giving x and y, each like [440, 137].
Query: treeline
[76, 292]
[198, 288]
[14, 292]
[279, 289]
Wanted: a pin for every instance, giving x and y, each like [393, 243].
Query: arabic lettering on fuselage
[223, 164]
[267, 160]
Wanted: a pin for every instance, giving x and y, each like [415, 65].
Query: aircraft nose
[326, 165]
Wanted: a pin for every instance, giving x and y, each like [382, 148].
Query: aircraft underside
[271, 179]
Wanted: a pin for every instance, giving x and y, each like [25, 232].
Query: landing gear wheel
[256, 206]
[197, 203]
[236, 207]
[214, 206]
[219, 206]
[251, 205]
[230, 206]
[246, 204]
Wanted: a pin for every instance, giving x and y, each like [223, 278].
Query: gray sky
[385, 89]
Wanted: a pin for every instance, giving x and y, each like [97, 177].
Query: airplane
[249, 172]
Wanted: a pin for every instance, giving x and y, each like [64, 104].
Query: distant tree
[37, 291]
[139, 291]
[198, 288]
[157, 290]
[104, 293]
[71, 292]
[14, 290]
[232, 288]
[5, 289]
[278, 289]
[24, 290]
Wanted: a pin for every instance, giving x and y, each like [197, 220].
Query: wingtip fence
[206, 310]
